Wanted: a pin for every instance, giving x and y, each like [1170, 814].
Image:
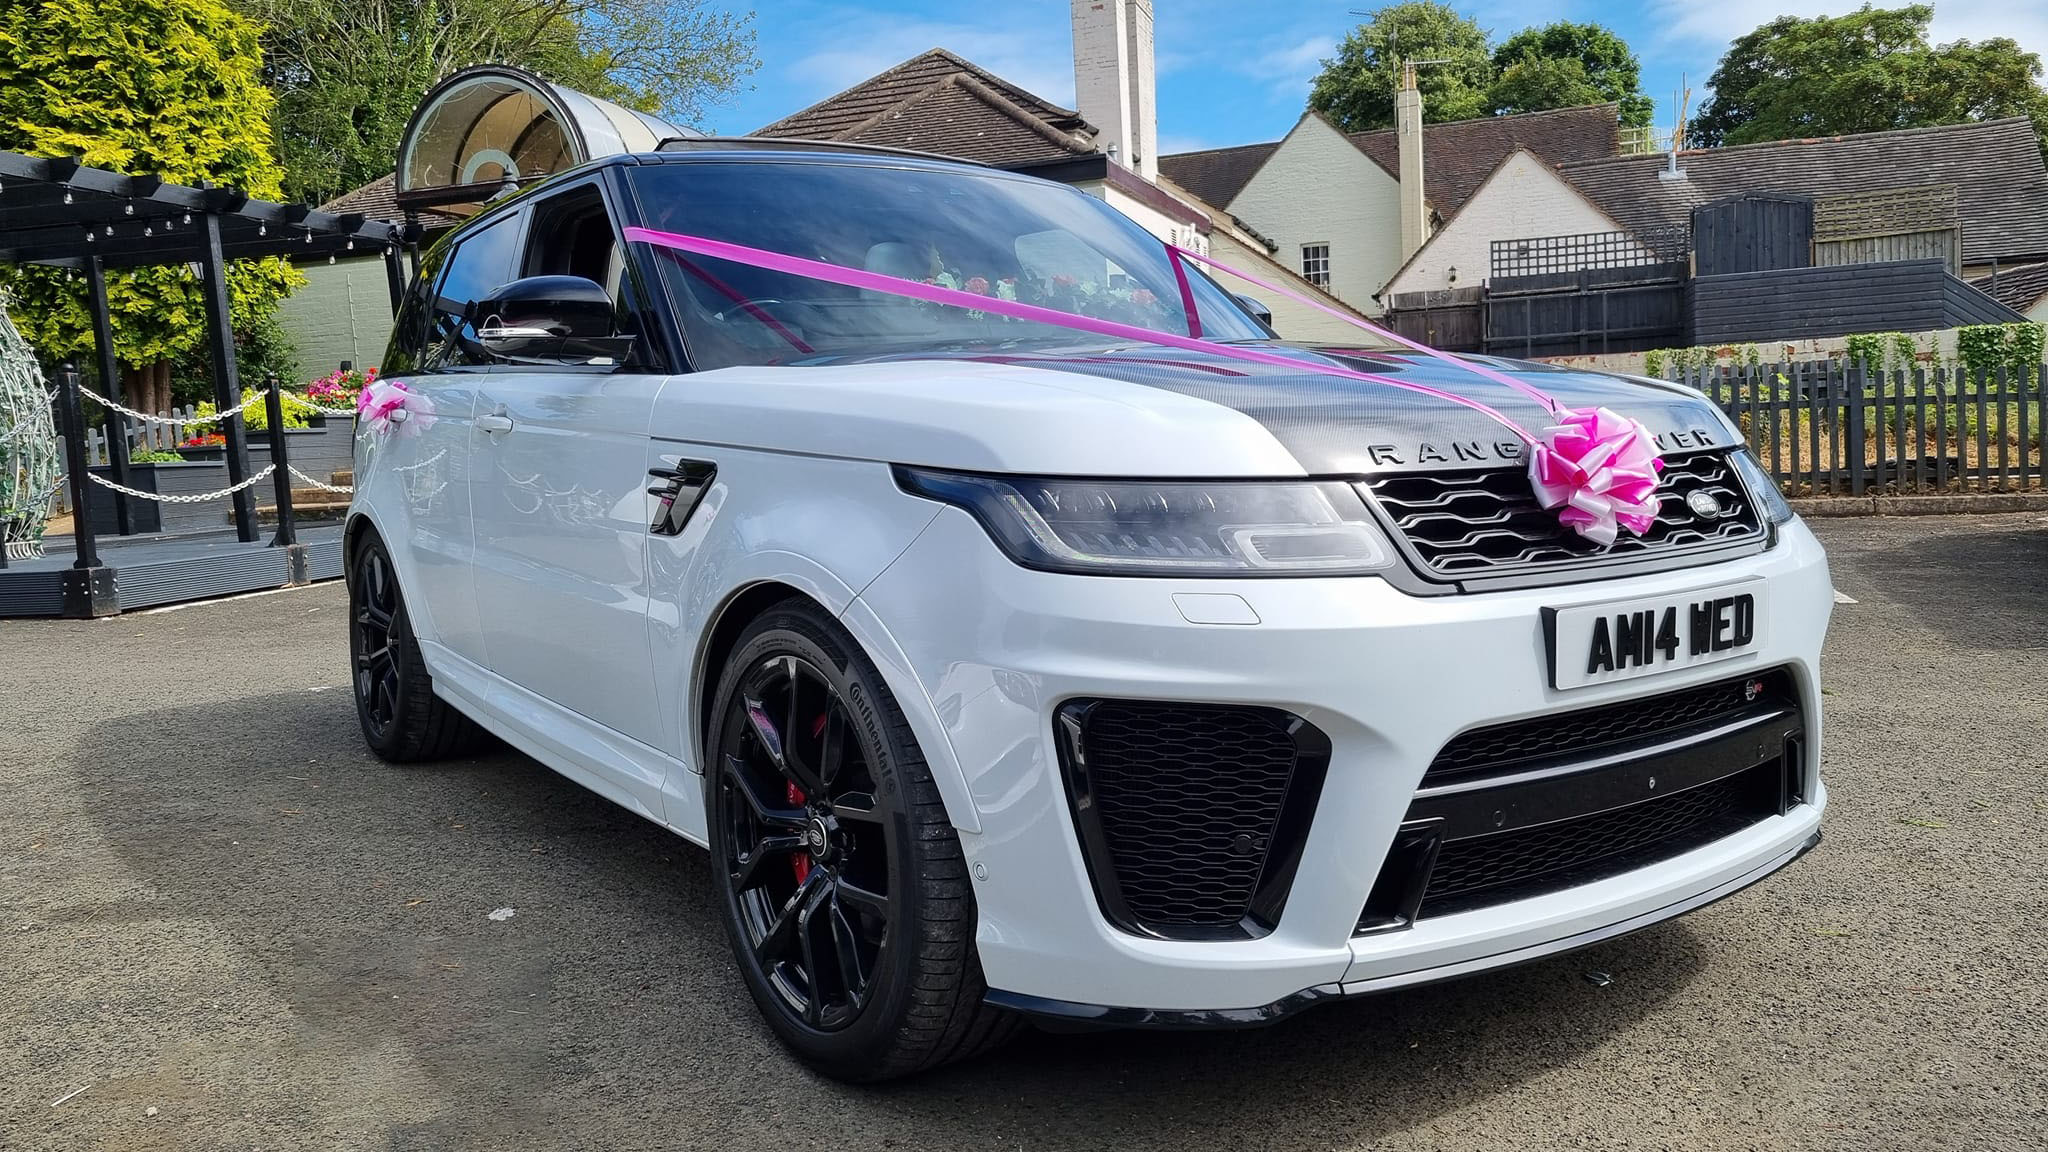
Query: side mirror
[550, 320]
[1257, 309]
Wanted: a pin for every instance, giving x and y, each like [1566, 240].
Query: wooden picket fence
[1834, 428]
[142, 434]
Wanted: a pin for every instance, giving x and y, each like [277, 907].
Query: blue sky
[1235, 71]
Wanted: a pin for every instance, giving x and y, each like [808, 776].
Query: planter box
[216, 454]
[184, 479]
[317, 451]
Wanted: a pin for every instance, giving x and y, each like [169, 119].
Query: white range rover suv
[1010, 672]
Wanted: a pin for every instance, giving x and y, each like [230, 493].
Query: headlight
[1762, 489]
[1167, 528]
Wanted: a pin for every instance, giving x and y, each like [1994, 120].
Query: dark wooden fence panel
[1968, 305]
[1752, 233]
[1595, 310]
[1906, 296]
[1452, 320]
[1835, 429]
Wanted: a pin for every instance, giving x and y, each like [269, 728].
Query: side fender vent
[680, 486]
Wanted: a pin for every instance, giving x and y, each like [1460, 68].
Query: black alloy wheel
[808, 841]
[845, 894]
[402, 719]
[373, 619]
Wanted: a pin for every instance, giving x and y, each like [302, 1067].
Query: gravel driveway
[223, 925]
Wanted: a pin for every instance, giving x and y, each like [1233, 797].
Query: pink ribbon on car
[388, 404]
[1589, 467]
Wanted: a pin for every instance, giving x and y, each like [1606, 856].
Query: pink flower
[977, 285]
[1144, 298]
[1063, 281]
[1599, 470]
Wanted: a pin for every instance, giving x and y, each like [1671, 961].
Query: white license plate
[1624, 639]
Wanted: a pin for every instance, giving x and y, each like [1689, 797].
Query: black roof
[56, 211]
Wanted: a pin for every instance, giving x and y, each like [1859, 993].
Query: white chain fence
[325, 487]
[196, 498]
[255, 398]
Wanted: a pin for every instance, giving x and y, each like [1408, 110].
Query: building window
[1315, 264]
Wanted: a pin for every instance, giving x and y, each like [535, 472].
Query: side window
[409, 330]
[482, 261]
[572, 235]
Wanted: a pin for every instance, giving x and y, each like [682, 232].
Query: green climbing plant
[166, 88]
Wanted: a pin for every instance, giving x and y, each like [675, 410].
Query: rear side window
[409, 330]
[481, 262]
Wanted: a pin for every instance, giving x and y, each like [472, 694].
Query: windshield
[990, 234]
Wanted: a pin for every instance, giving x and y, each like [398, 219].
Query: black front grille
[1533, 806]
[1191, 815]
[1489, 870]
[1502, 748]
[1486, 522]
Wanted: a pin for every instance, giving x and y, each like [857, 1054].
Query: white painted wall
[1317, 188]
[1293, 321]
[1522, 198]
[1171, 229]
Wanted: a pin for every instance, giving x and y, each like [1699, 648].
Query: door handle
[494, 422]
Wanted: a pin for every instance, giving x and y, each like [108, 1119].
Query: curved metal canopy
[487, 128]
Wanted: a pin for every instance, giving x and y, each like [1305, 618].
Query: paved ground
[233, 929]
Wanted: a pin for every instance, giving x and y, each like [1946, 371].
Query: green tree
[169, 88]
[1567, 65]
[348, 72]
[1871, 70]
[1356, 90]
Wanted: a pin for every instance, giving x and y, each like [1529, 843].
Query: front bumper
[1388, 677]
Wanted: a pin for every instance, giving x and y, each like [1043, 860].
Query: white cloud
[1689, 26]
[1172, 143]
[849, 46]
[1282, 67]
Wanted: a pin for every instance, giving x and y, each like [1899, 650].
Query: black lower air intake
[1191, 816]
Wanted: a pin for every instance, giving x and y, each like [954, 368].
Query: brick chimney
[1114, 80]
[1408, 129]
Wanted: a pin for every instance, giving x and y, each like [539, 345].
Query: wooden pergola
[57, 212]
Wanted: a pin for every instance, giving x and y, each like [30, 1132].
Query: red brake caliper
[801, 862]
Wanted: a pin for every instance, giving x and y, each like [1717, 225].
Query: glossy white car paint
[594, 631]
[1389, 677]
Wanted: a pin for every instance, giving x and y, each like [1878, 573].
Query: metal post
[227, 386]
[87, 587]
[394, 276]
[75, 463]
[110, 381]
[280, 480]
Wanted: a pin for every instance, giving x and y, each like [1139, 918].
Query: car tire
[807, 744]
[402, 720]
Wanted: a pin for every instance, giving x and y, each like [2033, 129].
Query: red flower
[1144, 297]
[1064, 281]
[978, 285]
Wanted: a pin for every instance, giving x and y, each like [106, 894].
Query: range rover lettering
[1090, 656]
